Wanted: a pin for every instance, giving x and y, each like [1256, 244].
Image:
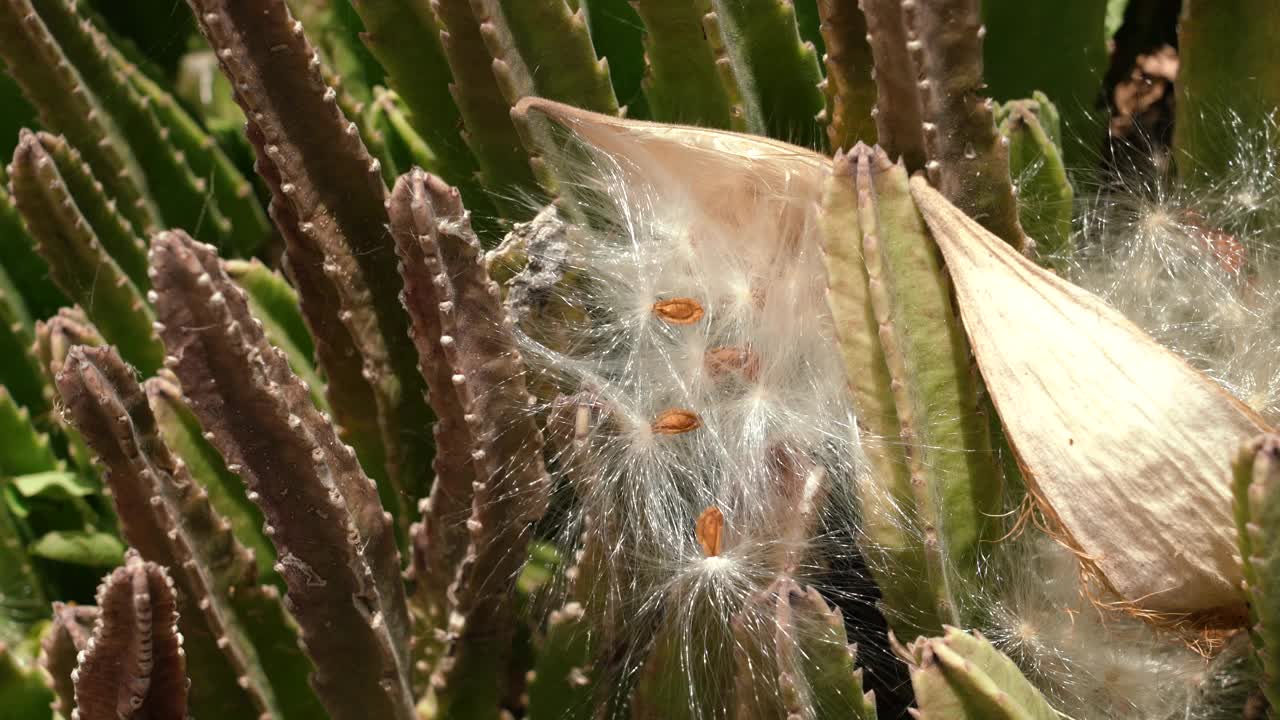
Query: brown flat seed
[710, 531]
[675, 422]
[678, 311]
[726, 359]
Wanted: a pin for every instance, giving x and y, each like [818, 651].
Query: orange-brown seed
[678, 311]
[710, 531]
[726, 359]
[675, 422]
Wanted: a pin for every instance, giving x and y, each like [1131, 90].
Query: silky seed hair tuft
[713, 432]
[1196, 263]
[676, 330]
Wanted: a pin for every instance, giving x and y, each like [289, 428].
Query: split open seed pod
[1125, 447]
[726, 174]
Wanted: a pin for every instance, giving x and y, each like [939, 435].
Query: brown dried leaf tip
[679, 311]
[710, 531]
[676, 422]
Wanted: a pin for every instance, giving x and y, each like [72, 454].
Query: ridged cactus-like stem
[335, 544]
[682, 82]
[54, 339]
[25, 449]
[404, 35]
[176, 174]
[511, 484]
[777, 71]
[553, 39]
[179, 429]
[1257, 512]
[849, 86]
[275, 304]
[19, 367]
[440, 539]
[67, 636]
[28, 271]
[224, 190]
[967, 161]
[22, 593]
[484, 104]
[960, 676]
[43, 177]
[134, 665]
[168, 518]
[351, 397]
[338, 204]
[56, 336]
[934, 491]
[399, 146]
[119, 239]
[169, 182]
[66, 103]
[804, 666]
[1032, 130]
[898, 112]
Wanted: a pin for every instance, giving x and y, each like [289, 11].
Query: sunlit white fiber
[697, 354]
[1197, 265]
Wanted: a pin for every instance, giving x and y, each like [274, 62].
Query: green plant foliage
[307, 427]
[1070, 47]
[1228, 82]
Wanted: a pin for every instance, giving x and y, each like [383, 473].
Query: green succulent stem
[46, 177]
[1226, 60]
[776, 71]
[1069, 44]
[682, 82]
[934, 488]
[335, 544]
[1257, 513]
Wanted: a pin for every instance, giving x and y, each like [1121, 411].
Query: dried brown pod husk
[1126, 448]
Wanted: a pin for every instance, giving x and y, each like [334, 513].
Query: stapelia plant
[742, 359]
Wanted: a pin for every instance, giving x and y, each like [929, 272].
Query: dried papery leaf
[134, 667]
[1126, 448]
